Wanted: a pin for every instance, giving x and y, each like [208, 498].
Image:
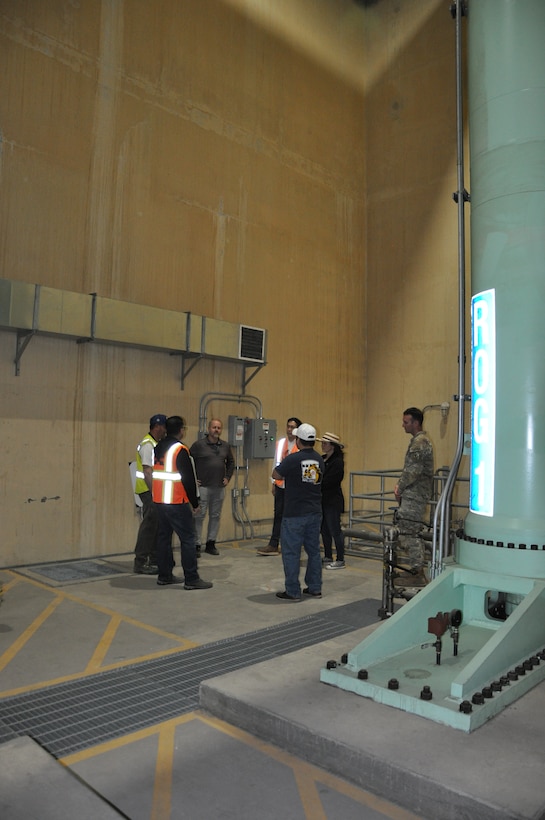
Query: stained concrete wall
[284, 164]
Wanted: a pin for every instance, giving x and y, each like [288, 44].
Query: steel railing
[372, 505]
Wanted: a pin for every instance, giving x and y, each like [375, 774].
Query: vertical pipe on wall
[506, 58]
[441, 521]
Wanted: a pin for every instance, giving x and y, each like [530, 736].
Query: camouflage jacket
[416, 480]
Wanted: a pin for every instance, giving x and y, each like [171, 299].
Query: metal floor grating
[72, 716]
[75, 570]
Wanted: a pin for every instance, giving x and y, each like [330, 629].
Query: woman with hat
[332, 500]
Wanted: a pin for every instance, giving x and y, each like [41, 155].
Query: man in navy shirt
[302, 472]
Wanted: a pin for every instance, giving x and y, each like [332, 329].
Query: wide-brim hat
[332, 438]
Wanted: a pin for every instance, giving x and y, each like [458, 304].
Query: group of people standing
[309, 500]
[332, 499]
[178, 486]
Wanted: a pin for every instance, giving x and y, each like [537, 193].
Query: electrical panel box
[235, 431]
[260, 438]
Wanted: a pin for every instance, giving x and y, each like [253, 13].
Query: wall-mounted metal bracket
[186, 369]
[256, 369]
[24, 336]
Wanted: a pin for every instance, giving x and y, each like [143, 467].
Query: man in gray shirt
[214, 465]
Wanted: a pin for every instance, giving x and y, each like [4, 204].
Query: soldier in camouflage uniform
[413, 490]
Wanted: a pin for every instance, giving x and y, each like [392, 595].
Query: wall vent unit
[33, 309]
[252, 344]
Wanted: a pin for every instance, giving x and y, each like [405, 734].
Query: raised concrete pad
[34, 786]
[441, 773]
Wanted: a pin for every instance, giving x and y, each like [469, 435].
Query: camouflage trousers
[409, 520]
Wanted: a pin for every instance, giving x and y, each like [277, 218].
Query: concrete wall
[284, 164]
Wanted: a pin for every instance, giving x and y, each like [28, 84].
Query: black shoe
[198, 549]
[211, 548]
[198, 584]
[285, 597]
[163, 582]
[314, 594]
[145, 570]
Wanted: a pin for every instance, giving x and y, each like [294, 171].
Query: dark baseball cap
[158, 419]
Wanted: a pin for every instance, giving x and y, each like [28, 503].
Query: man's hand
[397, 493]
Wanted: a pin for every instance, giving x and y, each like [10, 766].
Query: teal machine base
[485, 666]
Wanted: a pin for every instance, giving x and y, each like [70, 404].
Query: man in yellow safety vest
[145, 551]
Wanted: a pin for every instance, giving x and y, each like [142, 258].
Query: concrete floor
[261, 741]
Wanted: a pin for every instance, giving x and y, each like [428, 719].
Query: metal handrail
[380, 511]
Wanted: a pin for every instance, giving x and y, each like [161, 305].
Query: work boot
[145, 569]
[414, 577]
[211, 548]
[268, 550]
[199, 583]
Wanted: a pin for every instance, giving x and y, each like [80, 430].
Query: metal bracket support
[245, 381]
[24, 336]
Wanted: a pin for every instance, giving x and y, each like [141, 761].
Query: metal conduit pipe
[441, 518]
[243, 502]
[256, 403]
[364, 535]
[209, 397]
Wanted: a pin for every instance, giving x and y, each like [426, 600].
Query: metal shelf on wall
[31, 309]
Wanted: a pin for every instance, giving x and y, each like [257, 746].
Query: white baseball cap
[306, 432]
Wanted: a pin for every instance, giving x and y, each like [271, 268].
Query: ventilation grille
[252, 344]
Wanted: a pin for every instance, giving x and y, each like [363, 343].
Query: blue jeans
[331, 531]
[211, 501]
[297, 532]
[176, 518]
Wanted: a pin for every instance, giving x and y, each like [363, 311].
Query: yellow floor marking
[162, 791]
[162, 653]
[308, 792]
[105, 610]
[18, 644]
[356, 793]
[94, 664]
[103, 646]
[305, 773]
[119, 742]
[7, 585]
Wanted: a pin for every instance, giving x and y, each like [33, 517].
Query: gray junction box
[235, 432]
[260, 438]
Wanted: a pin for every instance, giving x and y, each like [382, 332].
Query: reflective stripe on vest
[279, 450]
[167, 481]
[140, 484]
[279, 455]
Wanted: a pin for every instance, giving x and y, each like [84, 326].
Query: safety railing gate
[372, 505]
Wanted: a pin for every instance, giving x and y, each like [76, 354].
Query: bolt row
[478, 698]
[513, 675]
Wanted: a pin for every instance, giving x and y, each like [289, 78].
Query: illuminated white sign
[483, 393]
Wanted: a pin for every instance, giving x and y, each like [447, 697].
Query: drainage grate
[75, 570]
[72, 716]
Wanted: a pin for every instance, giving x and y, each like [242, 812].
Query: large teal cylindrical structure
[497, 582]
[506, 93]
